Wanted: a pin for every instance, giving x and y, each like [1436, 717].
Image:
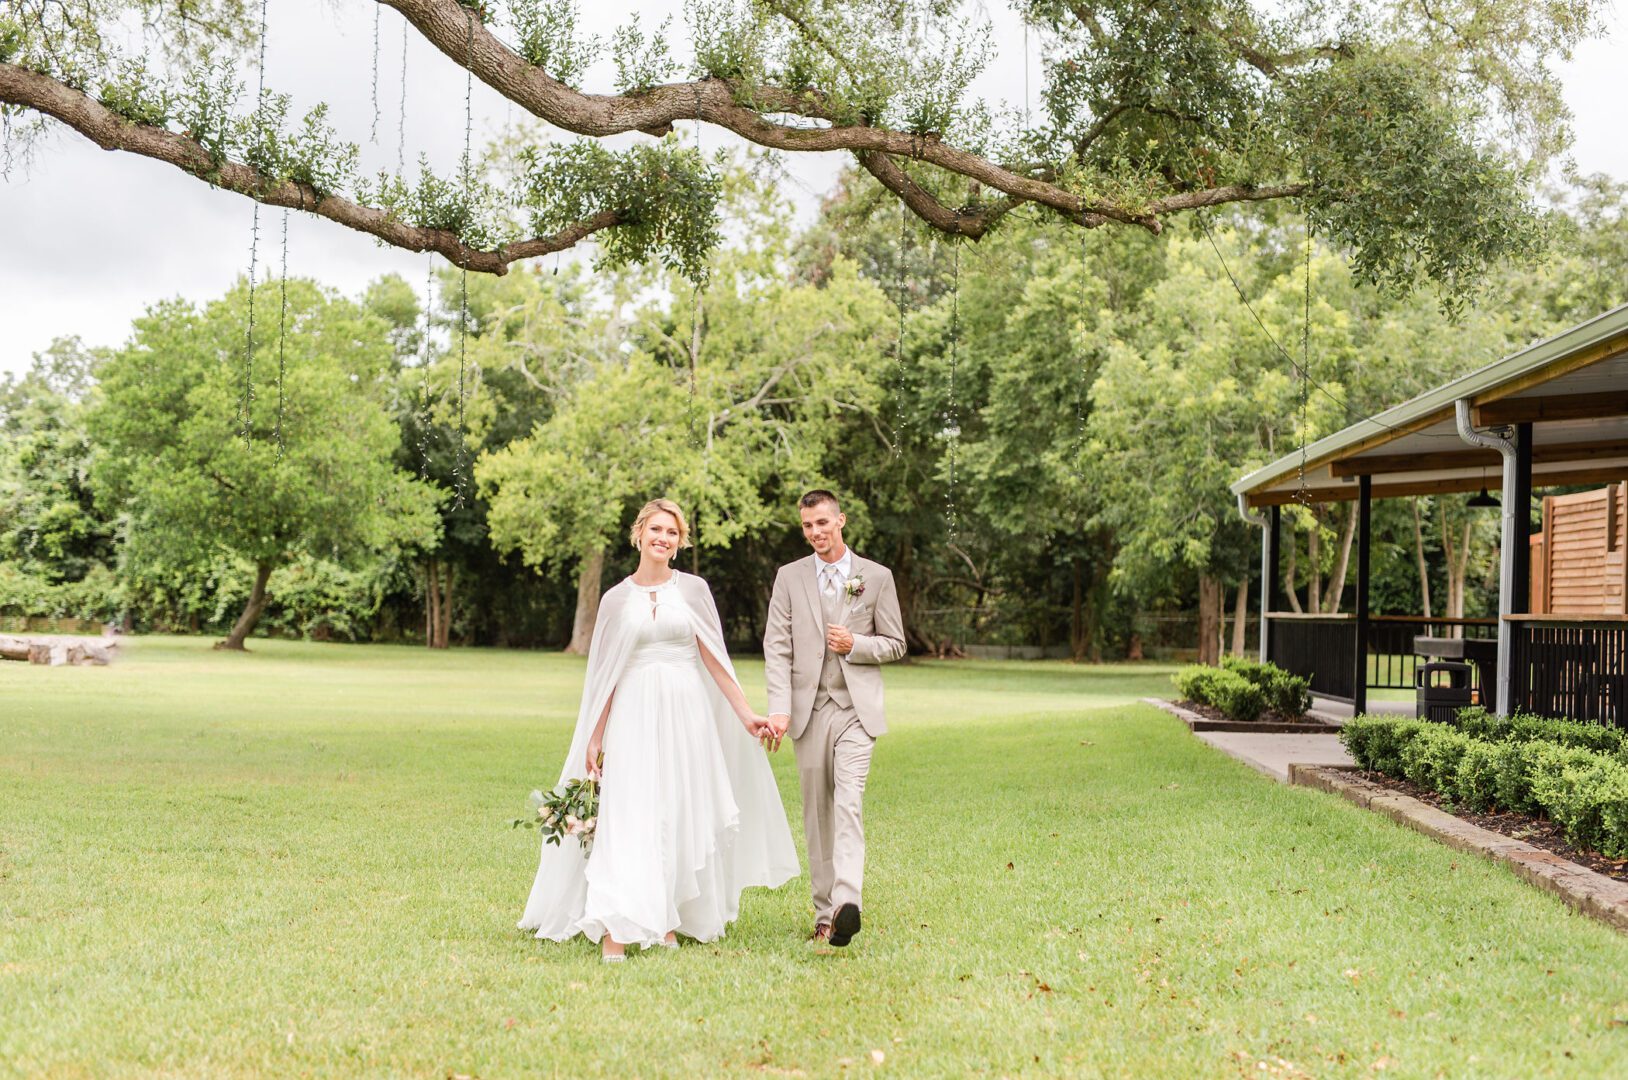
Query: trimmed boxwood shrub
[1475, 787]
[1289, 695]
[1478, 723]
[1431, 758]
[1582, 790]
[1234, 695]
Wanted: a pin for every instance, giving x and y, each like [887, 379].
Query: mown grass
[298, 862]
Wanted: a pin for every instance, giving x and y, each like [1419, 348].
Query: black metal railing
[1320, 648]
[1571, 667]
[1391, 657]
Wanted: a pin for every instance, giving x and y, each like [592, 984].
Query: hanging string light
[282, 330]
[953, 427]
[401, 119]
[898, 341]
[246, 402]
[1080, 380]
[425, 417]
[459, 484]
[245, 421]
[1300, 495]
[373, 135]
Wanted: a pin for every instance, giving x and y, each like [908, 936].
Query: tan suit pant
[833, 759]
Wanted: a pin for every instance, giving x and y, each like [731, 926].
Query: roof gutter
[1506, 561]
[1266, 569]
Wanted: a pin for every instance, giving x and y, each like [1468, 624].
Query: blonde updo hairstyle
[660, 506]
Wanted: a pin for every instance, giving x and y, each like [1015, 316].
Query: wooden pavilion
[1554, 414]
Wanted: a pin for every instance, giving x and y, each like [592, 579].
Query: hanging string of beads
[282, 332]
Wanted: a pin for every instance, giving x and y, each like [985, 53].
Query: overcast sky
[88, 239]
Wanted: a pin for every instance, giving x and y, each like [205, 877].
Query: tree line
[1035, 431]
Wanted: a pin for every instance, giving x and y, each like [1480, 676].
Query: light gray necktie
[830, 573]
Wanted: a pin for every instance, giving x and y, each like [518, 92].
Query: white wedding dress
[689, 812]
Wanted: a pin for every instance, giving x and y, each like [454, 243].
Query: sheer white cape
[762, 852]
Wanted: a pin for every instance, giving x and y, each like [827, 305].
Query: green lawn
[298, 862]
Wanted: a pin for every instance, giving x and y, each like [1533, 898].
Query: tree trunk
[432, 604]
[589, 580]
[1336, 584]
[1240, 616]
[1076, 624]
[251, 612]
[1418, 548]
[1314, 571]
[1209, 620]
[1289, 576]
[443, 635]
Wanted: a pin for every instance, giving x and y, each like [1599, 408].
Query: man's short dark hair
[818, 496]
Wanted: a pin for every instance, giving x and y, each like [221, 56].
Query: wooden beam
[1609, 474]
[1383, 464]
[1608, 349]
[1554, 407]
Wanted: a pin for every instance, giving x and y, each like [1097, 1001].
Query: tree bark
[1209, 620]
[443, 636]
[1314, 568]
[1418, 549]
[1289, 575]
[432, 604]
[1076, 620]
[589, 580]
[1240, 616]
[1336, 583]
[251, 611]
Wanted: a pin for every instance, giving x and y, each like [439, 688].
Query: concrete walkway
[1337, 712]
[1273, 754]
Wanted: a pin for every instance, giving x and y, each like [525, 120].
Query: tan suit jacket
[794, 642]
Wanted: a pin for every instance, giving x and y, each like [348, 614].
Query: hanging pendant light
[1483, 500]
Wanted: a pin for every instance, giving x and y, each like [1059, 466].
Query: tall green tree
[52, 533]
[289, 454]
[1413, 134]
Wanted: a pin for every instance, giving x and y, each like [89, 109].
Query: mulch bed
[1270, 716]
[1539, 832]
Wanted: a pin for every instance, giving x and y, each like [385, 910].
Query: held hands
[755, 725]
[774, 730]
[838, 639]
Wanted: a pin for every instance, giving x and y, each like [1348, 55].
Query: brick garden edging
[1593, 894]
[1195, 722]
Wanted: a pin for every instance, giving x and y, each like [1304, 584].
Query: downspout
[1506, 559]
[1266, 539]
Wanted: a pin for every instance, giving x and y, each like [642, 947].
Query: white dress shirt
[843, 568]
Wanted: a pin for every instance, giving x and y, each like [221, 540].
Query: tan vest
[833, 684]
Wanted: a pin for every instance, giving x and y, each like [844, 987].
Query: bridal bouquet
[571, 809]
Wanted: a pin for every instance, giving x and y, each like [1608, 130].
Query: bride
[689, 814]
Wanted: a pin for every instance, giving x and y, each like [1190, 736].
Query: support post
[1365, 504]
[1520, 594]
[1270, 539]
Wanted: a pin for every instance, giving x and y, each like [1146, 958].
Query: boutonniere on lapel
[854, 588]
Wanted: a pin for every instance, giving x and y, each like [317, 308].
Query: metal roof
[1414, 448]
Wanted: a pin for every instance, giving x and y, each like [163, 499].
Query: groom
[833, 620]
